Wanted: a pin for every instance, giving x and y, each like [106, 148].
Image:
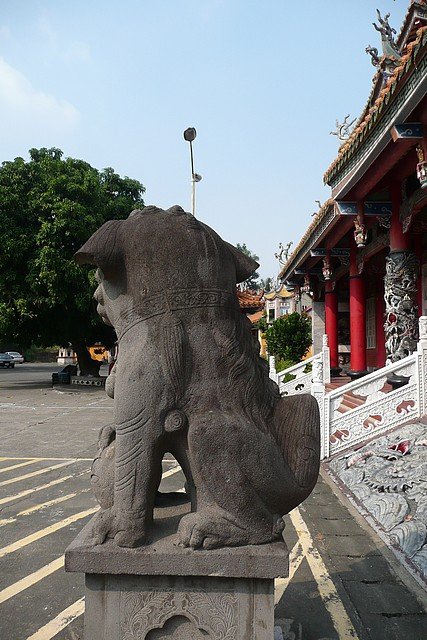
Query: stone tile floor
[390, 487]
[48, 440]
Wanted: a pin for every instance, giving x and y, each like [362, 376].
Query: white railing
[368, 406]
[302, 379]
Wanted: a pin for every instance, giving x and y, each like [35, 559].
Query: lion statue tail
[297, 430]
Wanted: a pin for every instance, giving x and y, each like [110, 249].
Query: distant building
[279, 302]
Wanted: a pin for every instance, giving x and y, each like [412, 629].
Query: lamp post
[190, 135]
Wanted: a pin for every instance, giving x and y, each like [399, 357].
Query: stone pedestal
[164, 591]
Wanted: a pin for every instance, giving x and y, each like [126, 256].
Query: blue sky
[116, 83]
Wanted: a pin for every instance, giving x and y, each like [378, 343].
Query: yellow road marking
[31, 579]
[296, 556]
[28, 492]
[46, 459]
[49, 503]
[36, 473]
[58, 525]
[23, 542]
[170, 472]
[43, 572]
[16, 466]
[325, 585]
[42, 505]
[62, 620]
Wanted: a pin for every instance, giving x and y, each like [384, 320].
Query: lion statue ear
[103, 248]
[245, 266]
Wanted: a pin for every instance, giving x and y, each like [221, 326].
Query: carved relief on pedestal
[212, 615]
[400, 289]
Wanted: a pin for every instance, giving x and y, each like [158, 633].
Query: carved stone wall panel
[213, 613]
[127, 607]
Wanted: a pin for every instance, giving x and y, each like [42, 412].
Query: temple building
[363, 259]
[279, 302]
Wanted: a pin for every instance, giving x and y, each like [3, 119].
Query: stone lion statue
[189, 380]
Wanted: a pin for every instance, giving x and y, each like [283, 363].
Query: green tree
[289, 337]
[252, 282]
[49, 206]
[267, 284]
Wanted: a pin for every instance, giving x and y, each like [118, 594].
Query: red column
[331, 322]
[419, 254]
[399, 241]
[379, 327]
[357, 317]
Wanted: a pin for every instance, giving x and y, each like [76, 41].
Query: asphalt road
[32, 375]
[343, 582]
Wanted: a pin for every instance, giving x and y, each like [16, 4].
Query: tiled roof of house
[250, 299]
[255, 317]
[372, 112]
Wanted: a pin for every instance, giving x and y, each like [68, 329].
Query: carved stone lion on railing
[189, 381]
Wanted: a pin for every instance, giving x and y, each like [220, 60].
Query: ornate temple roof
[281, 292]
[378, 101]
[385, 93]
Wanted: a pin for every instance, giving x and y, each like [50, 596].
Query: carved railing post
[326, 360]
[318, 392]
[272, 365]
[422, 365]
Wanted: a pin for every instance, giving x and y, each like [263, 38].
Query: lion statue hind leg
[297, 430]
[234, 466]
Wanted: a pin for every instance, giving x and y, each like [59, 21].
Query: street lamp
[190, 135]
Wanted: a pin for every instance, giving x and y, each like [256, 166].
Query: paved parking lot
[343, 583]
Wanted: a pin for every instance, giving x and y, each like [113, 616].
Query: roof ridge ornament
[373, 52]
[343, 129]
[283, 254]
[387, 36]
[389, 60]
[388, 42]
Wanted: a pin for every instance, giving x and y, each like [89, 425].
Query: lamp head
[190, 134]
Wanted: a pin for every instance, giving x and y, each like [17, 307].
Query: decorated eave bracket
[379, 210]
[337, 252]
[342, 253]
[413, 131]
[373, 209]
[407, 131]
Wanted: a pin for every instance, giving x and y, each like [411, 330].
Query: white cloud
[22, 104]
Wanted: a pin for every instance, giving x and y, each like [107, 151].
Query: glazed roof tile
[250, 299]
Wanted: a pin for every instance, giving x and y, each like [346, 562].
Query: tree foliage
[49, 206]
[266, 284]
[253, 281]
[289, 337]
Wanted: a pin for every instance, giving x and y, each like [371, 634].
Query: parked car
[6, 361]
[18, 358]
